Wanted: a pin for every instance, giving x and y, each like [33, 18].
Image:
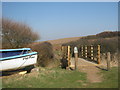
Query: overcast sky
[53, 20]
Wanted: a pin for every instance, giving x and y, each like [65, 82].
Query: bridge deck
[82, 62]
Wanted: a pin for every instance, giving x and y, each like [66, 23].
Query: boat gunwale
[5, 50]
[18, 56]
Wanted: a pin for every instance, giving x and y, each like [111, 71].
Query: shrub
[107, 45]
[45, 53]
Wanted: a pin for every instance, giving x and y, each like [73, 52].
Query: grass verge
[47, 78]
[110, 79]
[60, 78]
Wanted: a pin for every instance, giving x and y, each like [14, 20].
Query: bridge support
[98, 54]
[108, 61]
[68, 55]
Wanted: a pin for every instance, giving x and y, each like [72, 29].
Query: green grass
[0, 83]
[110, 79]
[60, 78]
[52, 78]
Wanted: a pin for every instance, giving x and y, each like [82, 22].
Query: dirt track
[89, 68]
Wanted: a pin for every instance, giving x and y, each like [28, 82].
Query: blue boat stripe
[1, 50]
[18, 56]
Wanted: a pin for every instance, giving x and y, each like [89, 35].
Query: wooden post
[76, 61]
[98, 54]
[91, 49]
[65, 51]
[68, 56]
[108, 61]
[76, 57]
[62, 48]
[85, 51]
[82, 51]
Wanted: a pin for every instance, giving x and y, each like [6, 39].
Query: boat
[13, 59]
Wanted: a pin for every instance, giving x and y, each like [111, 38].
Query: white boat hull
[18, 63]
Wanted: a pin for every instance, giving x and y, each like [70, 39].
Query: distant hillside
[108, 41]
[63, 40]
[58, 42]
[106, 34]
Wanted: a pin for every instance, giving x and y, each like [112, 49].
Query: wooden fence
[91, 52]
[66, 53]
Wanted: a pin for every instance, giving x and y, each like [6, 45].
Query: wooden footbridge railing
[88, 52]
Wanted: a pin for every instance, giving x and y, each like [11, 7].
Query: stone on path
[23, 72]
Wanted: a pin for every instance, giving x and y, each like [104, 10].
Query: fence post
[98, 54]
[85, 51]
[66, 51]
[76, 57]
[62, 49]
[82, 50]
[108, 61]
[91, 49]
[68, 56]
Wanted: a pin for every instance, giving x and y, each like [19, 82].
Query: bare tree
[0, 33]
[16, 35]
